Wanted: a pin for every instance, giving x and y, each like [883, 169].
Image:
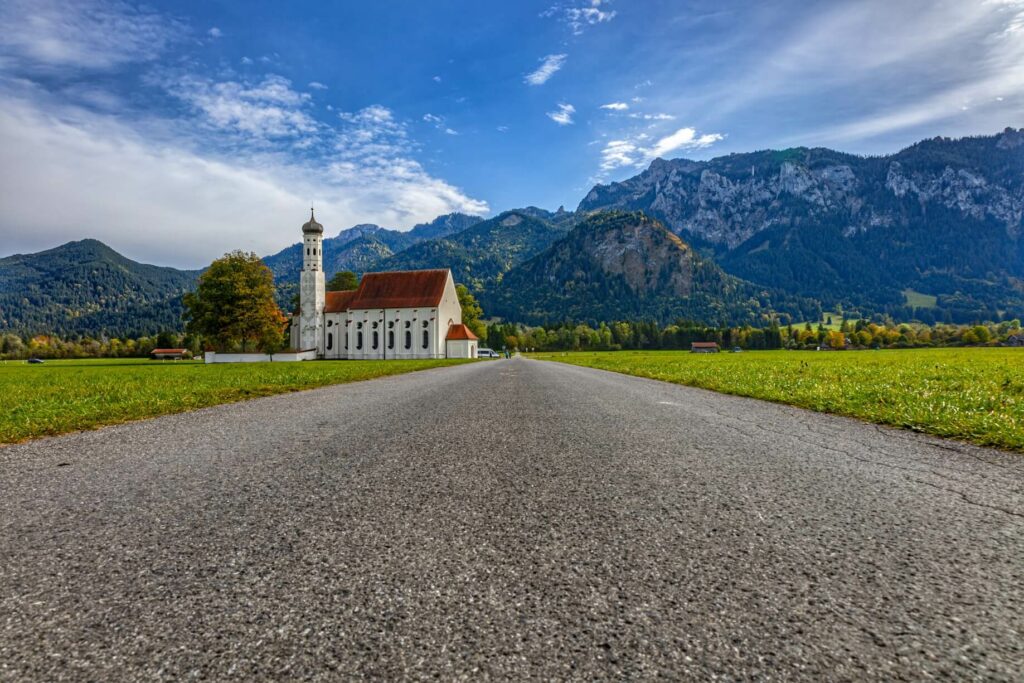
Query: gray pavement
[509, 520]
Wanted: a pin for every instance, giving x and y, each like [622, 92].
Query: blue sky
[177, 131]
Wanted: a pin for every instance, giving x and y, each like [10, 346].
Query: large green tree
[233, 305]
[471, 311]
[343, 281]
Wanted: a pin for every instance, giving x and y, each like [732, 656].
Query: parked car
[35, 360]
[487, 353]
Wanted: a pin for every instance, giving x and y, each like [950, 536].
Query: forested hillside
[626, 266]
[86, 287]
[481, 255]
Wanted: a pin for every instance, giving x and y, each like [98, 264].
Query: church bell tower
[312, 287]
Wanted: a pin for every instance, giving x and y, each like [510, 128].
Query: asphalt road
[512, 519]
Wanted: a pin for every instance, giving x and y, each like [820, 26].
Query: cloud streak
[550, 65]
[638, 150]
[563, 114]
[47, 35]
[579, 16]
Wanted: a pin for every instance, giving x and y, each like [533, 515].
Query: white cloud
[246, 60]
[164, 198]
[317, 85]
[438, 122]
[563, 115]
[652, 117]
[85, 34]
[215, 33]
[549, 66]
[437, 79]
[633, 150]
[578, 16]
[268, 109]
[502, 129]
[898, 54]
[615, 106]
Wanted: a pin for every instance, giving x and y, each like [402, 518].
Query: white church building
[395, 315]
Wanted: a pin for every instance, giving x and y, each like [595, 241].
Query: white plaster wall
[461, 348]
[335, 331]
[212, 357]
[312, 295]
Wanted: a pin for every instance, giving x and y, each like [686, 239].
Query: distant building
[461, 342]
[395, 315]
[167, 354]
[704, 347]
[1015, 340]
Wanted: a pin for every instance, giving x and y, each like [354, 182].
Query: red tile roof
[400, 289]
[704, 345]
[337, 302]
[460, 331]
[168, 351]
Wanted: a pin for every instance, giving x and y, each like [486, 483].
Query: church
[395, 315]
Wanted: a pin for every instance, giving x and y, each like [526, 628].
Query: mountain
[480, 255]
[942, 218]
[361, 246]
[86, 287]
[359, 249]
[625, 266]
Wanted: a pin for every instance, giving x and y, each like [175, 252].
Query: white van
[484, 352]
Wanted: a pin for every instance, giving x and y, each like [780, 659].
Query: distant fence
[285, 357]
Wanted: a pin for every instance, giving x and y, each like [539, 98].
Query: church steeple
[312, 294]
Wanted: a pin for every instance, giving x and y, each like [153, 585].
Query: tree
[166, 340]
[234, 305]
[471, 311]
[343, 281]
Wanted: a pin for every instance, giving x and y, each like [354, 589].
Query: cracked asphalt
[511, 520]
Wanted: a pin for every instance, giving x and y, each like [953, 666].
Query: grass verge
[64, 396]
[976, 395]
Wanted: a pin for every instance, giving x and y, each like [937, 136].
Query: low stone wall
[285, 357]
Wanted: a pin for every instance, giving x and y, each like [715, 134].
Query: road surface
[511, 519]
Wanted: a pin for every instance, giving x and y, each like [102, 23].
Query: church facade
[392, 315]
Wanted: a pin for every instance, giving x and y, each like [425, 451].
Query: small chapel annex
[392, 315]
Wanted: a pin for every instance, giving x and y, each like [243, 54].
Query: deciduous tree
[234, 305]
[471, 311]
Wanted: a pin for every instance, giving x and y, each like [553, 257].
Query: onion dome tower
[312, 287]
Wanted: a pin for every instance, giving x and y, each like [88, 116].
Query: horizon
[199, 122]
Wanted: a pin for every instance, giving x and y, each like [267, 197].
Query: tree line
[633, 335]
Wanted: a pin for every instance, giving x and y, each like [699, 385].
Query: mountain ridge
[939, 221]
[942, 216]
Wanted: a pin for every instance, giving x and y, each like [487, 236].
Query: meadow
[973, 394]
[67, 395]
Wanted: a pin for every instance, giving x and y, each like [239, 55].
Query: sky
[178, 131]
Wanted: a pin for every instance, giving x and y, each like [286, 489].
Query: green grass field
[63, 396]
[919, 300]
[972, 394]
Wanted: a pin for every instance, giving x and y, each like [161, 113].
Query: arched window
[307, 251]
[391, 339]
[376, 339]
[408, 339]
[330, 341]
[359, 341]
[426, 338]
